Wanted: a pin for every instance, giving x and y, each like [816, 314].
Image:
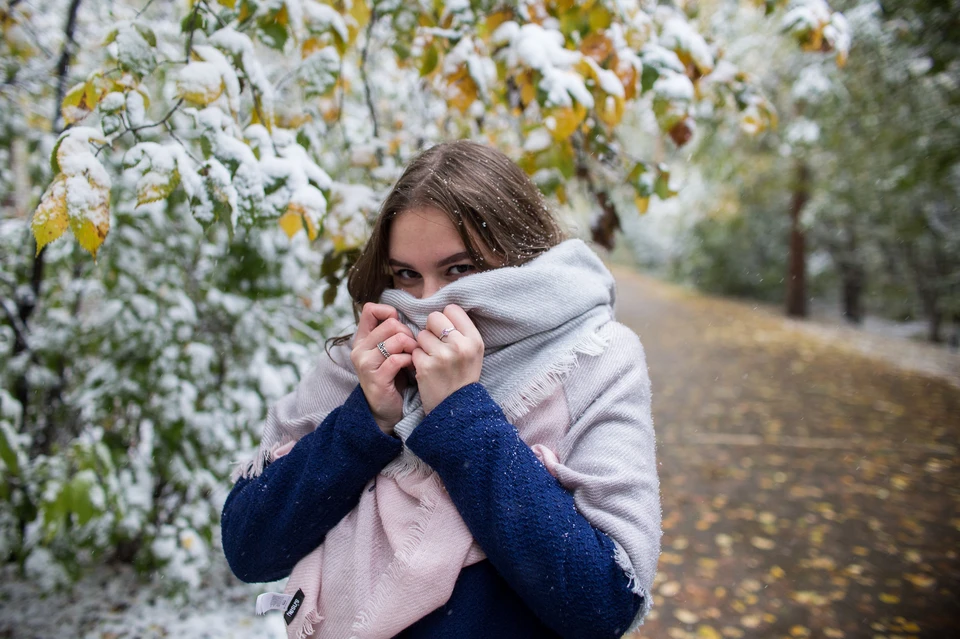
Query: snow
[136, 111]
[661, 59]
[112, 102]
[533, 46]
[225, 70]
[537, 140]
[674, 86]
[811, 84]
[320, 17]
[609, 82]
[112, 602]
[802, 131]
[678, 35]
[240, 46]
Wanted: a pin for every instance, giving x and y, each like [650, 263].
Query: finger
[418, 356]
[430, 343]
[371, 315]
[387, 329]
[392, 366]
[461, 321]
[437, 322]
[399, 343]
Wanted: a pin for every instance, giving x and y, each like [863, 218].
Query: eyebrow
[456, 257]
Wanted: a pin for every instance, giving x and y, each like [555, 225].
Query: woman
[478, 458]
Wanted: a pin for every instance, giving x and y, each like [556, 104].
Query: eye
[406, 274]
[460, 269]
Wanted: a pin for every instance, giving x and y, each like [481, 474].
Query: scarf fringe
[311, 619]
[623, 560]
[544, 383]
[401, 560]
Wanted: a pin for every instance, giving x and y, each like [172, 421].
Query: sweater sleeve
[272, 521]
[525, 521]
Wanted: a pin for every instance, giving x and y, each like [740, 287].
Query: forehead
[423, 232]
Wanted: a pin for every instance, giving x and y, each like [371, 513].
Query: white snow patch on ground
[112, 603]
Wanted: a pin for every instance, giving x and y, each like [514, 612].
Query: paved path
[809, 490]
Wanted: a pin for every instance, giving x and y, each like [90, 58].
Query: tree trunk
[852, 277]
[26, 304]
[797, 265]
[852, 274]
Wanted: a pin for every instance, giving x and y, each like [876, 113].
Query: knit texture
[549, 574]
[556, 310]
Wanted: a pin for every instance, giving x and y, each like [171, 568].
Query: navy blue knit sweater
[548, 572]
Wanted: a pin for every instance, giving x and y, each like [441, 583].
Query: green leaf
[430, 60]
[648, 77]
[147, 34]
[54, 163]
[662, 184]
[274, 35]
[193, 21]
[8, 451]
[80, 502]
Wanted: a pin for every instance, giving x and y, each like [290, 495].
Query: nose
[430, 286]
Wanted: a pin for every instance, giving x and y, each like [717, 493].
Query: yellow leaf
[495, 19]
[291, 223]
[91, 234]
[155, 186]
[461, 89]
[563, 122]
[75, 106]
[50, 219]
[88, 209]
[888, 598]
[707, 632]
[229, 4]
[360, 13]
[610, 110]
[282, 17]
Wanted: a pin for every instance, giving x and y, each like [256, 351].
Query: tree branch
[19, 330]
[64, 62]
[363, 72]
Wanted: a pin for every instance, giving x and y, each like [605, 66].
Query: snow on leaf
[135, 53]
[200, 83]
[159, 173]
[88, 207]
[319, 72]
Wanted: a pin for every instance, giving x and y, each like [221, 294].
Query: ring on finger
[446, 332]
[383, 350]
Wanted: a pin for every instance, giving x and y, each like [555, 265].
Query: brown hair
[490, 200]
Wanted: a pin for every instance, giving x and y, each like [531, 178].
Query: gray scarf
[534, 319]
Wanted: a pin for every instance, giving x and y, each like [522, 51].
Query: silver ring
[383, 350]
[446, 332]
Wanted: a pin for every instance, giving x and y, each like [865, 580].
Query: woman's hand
[447, 365]
[378, 374]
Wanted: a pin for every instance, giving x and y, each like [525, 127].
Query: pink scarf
[396, 557]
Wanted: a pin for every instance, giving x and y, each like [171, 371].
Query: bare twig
[189, 47]
[185, 147]
[160, 122]
[145, 7]
[19, 329]
[64, 62]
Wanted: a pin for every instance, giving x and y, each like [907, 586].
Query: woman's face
[426, 252]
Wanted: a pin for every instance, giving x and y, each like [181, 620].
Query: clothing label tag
[272, 601]
[294, 607]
